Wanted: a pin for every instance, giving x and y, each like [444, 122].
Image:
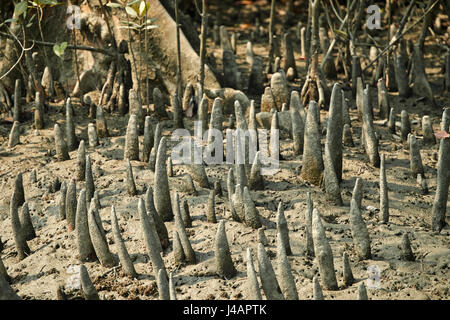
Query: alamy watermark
[74, 281]
[374, 280]
[74, 17]
[374, 17]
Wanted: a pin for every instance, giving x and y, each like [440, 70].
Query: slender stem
[405, 18]
[40, 14]
[388, 58]
[388, 7]
[389, 21]
[272, 17]
[343, 23]
[271, 24]
[203, 45]
[308, 36]
[75, 55]
[140, 52]
[147, 84]
[197, 8]
[341, 56]
[374, 41]
[179, 85]
[66, 95]
[315, 9]
[134, 58]
[110, 30]
[335, 12]
[21, 54]
[358, 19]
[423, 32]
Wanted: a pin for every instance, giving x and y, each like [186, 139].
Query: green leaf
[136, 8]
[50, 2]
[341, 33]
[10, 20]
[153, 26]
[130, 3]
[32, 17]
[114, 5]
[142, 8]
[149, 21]
[130, 23]
[130, 11]
[128, 27]
[59, 49]
[147, 7]
[20, 8]
[43, 3]
[56, 49]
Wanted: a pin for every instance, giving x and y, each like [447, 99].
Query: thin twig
[343, 23]
[40, 16]
[10, 254]
[21, 54]
[405, 18]
[110, 30]
[179, 84]
[147, 93]
[69, 46]
[338, 9]
[75, 55]
[357, 22]
[134, 57]
[110, 270]
[198, 8]
[335, 12]
[272, 18]
[374, 41]
[203, 45]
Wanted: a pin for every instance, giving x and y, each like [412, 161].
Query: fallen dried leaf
[442, 134]
[244, 26]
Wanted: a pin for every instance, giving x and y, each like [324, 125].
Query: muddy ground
[54, 250]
